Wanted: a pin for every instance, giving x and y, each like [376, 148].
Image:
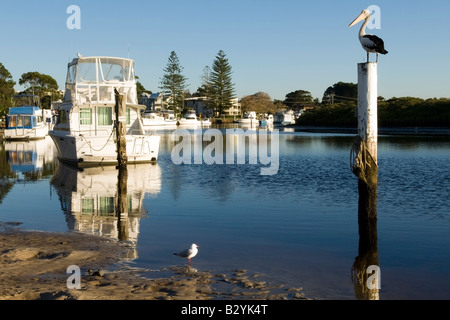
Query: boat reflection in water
[90, 199]
[30, 158]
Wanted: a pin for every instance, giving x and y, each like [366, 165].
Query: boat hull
[23, 134]
[89, 151]
[193, 123]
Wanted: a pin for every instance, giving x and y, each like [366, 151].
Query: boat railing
[92, 132]
[137, 132]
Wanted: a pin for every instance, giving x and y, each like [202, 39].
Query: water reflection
[92, 198]
[33, 159]
[367, 257]
[365, 269]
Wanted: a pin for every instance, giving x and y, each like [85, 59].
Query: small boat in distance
[266, 120]
[85, 130]
[150, 119]
[169, 116]
[249, 118]
[285, 118]
[191, 119]
[27, 121]
[156, 121]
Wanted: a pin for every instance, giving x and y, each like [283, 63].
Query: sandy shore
[33, 266]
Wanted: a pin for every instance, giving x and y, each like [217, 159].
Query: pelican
[369, 42]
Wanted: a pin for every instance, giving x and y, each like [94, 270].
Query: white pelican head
[365, 14]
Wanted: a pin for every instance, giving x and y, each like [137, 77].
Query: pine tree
[222, 88]
[174, 82]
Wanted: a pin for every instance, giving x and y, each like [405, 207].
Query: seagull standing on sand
[188, 253]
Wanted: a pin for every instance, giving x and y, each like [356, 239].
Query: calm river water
[297, 227]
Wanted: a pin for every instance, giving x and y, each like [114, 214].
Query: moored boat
[85, 130]
[284, 118]
[27, 121]
[150, 119]
[191, 119]
[249, 118]
[266, 120]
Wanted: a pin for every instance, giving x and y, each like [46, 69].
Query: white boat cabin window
[27, 122]
[19, 121]
[85, 116]
[128, 116]
[104, 116]
[12, 121]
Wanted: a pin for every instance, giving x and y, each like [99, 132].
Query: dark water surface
[297, 227]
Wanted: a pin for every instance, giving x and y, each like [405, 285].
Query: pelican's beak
[361, 17]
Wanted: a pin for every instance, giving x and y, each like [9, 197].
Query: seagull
[369, 42]
[188, 253]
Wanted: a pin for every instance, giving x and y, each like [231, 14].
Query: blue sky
[273, 46]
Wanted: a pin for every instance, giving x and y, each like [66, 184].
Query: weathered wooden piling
[122, 159]
[367, 106]
[364, 164]
[364, 155]
[121, 129]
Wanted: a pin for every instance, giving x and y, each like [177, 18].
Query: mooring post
[122, 178]
[365, 167]
[367, 106]
[121, 129]
[368, 136]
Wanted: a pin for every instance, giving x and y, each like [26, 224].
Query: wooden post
[365, 167]
[121, 130]
[122, 159]
[364, 152]
[367, 106]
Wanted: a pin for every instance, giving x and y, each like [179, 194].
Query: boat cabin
[89, 98]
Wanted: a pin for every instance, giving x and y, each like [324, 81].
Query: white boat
[267, 120]
[27, 121]
[191, 119]
[151, 119]
[249, 118]
[169, 116]
[154, 121]
[285, 118]
[85, 130]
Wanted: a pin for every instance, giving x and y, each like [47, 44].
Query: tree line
[217, 85]
[394, 112]
[337, 107]
[43, 86]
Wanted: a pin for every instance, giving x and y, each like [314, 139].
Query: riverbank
[432, 131]
[33, 266]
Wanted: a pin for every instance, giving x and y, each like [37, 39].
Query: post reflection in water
[366, 283]
[105, 202]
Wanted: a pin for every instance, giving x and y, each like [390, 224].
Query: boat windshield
[101, 69]
[93, 79]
